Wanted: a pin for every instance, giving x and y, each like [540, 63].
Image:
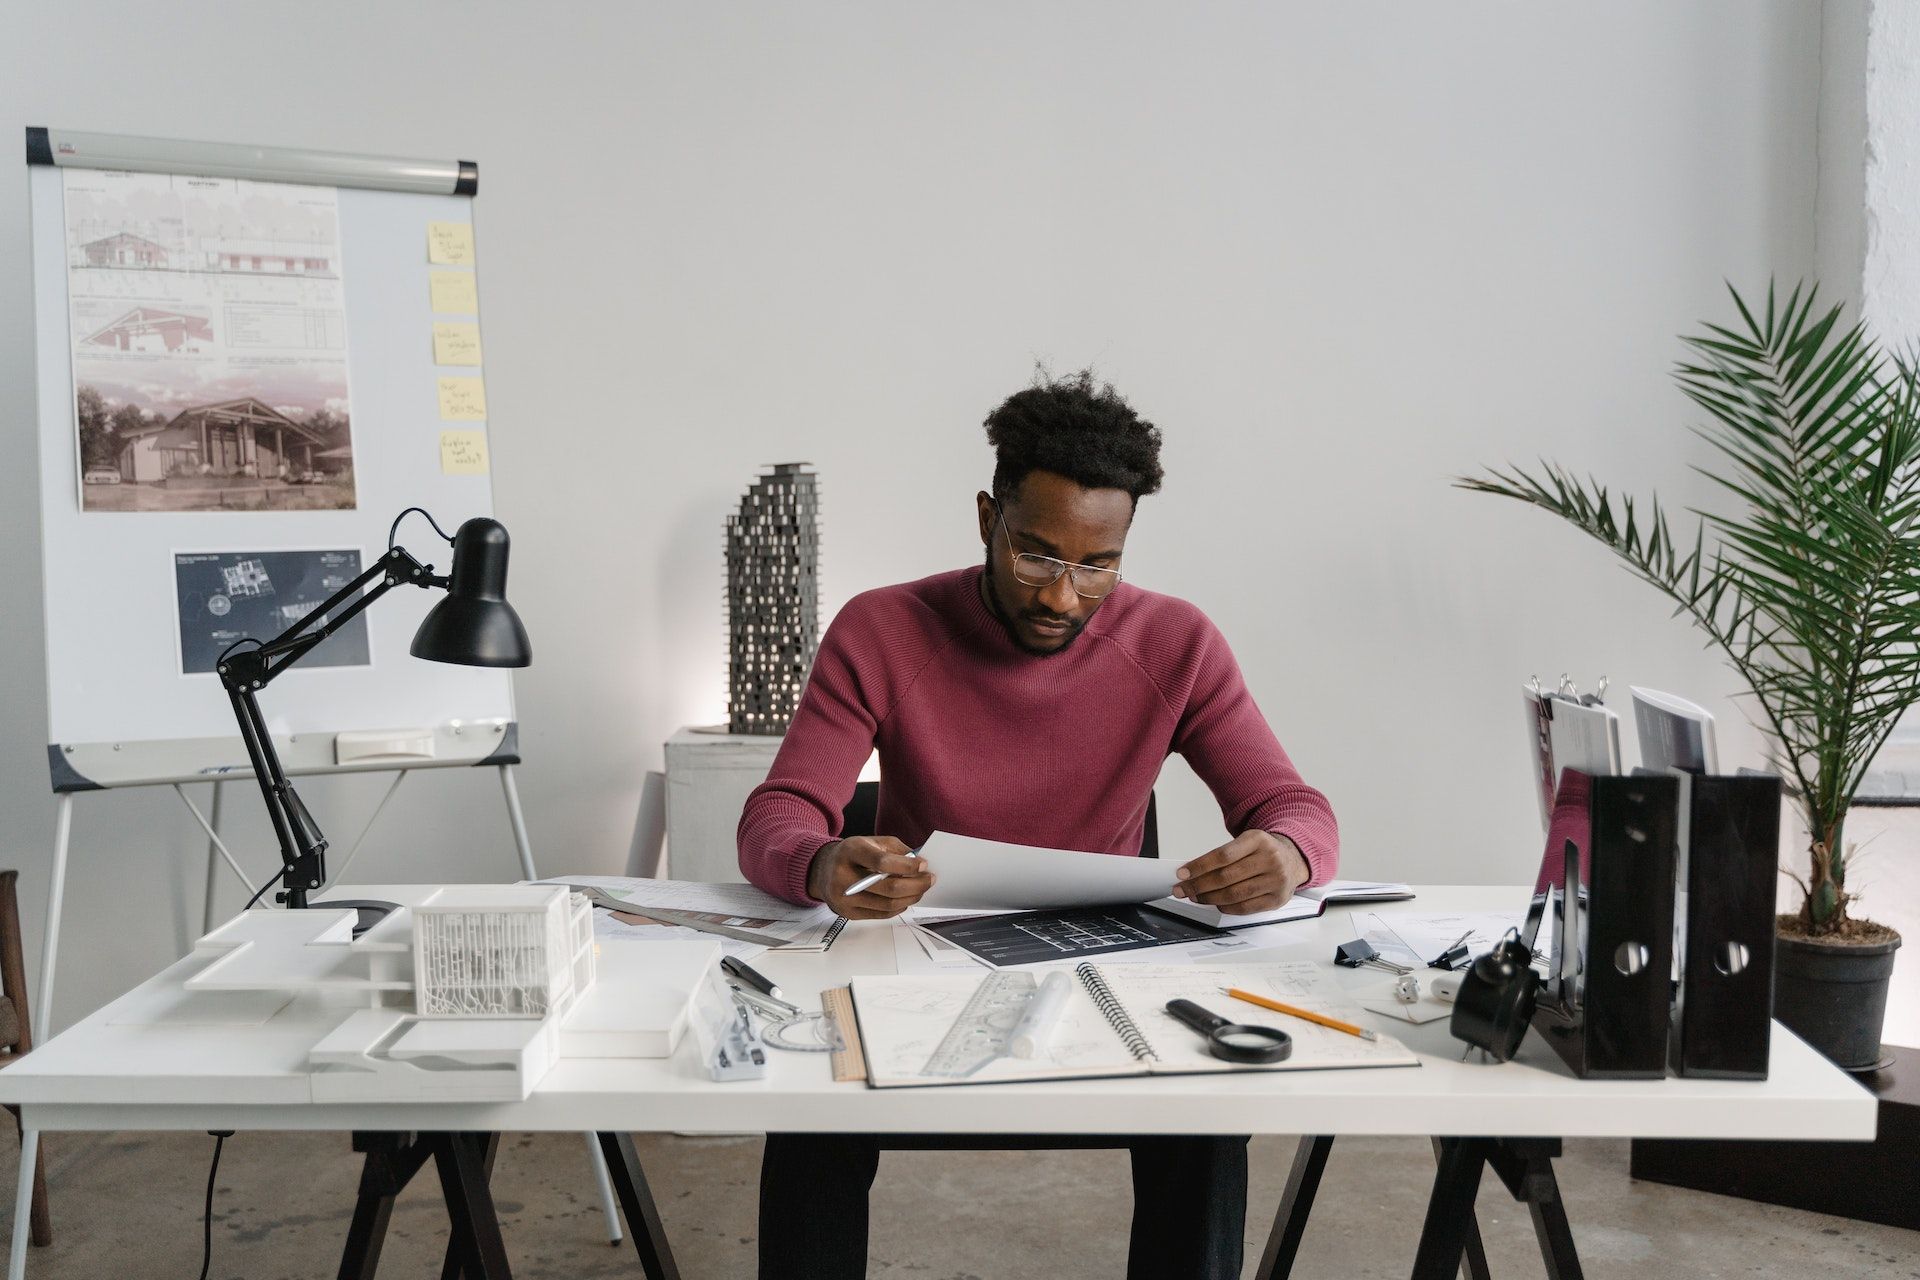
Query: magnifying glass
[1233, 1041]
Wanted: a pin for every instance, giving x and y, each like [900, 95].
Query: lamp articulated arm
[302, 846]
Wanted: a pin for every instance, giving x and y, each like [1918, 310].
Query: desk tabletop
[160, 1057]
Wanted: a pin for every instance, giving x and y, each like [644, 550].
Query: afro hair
[1075, 427]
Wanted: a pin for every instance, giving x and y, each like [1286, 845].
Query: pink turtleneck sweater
[979, 738]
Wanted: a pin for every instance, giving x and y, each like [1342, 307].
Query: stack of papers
[740, 913]
[1304, 905]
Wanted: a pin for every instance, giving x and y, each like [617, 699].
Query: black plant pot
[1834, 996]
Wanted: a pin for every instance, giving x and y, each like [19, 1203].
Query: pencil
[1308, 1014]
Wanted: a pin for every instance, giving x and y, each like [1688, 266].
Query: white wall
[1338, 253]
[1891, 268]
[1840, 222]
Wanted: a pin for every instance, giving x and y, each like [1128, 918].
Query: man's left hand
[1254, 871]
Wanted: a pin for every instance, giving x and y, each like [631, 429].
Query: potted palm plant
[1811, 590]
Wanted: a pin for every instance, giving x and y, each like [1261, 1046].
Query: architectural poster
[209, 344]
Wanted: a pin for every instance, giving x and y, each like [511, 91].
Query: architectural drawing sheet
[209, 343]
[1041, 937]
[227, 595]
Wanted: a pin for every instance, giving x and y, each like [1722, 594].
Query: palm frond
[1811, 589]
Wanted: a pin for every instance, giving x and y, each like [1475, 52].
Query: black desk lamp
[474, 627]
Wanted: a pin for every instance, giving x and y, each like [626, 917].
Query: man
[1031, 700]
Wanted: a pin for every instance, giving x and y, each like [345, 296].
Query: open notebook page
[1143, 991]
[904, 1018]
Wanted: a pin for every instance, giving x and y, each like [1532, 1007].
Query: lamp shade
[475, 626]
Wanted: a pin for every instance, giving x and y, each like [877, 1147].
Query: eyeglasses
[1043, 571]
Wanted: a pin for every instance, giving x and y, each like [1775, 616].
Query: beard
[997, 607]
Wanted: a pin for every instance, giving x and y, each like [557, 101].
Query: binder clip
[1454, 957]
[1352, 955]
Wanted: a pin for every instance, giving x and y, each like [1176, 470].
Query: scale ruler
[847, 1061]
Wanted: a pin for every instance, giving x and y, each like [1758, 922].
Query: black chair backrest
[862, 814]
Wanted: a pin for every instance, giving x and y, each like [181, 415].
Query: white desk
[117, 1070]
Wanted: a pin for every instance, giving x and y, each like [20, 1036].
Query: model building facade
[773, 598]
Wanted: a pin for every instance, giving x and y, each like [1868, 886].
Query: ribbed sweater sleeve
[1230, 746]
[798, 809]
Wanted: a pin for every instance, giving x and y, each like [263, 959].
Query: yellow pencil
[1308, 1014]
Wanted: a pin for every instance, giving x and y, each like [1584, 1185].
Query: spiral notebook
[1115, 1024]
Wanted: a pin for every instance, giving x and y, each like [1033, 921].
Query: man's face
[1049, 515]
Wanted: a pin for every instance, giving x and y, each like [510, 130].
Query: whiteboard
[120, 711]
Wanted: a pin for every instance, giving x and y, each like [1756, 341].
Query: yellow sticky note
[456, 342]
[454, 291]
[463, 453]
[463, 399]
[450, 244]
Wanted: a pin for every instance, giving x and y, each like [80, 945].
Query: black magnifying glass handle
[1233, 1041]
[1202, 1020]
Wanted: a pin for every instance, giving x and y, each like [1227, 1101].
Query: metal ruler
[981, 1032]
[847, 1061]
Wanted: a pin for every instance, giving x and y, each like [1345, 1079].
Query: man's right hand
[844, 862]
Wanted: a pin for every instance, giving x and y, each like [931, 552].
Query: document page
[1143, 991]
[971, 872]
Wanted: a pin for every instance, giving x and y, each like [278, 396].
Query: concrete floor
[128, 1205]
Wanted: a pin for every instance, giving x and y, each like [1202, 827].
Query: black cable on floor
[220, 1137]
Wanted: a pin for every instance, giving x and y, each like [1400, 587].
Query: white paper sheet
[1416, 938]
[1298, 907]
[916, 951]
[990, 873]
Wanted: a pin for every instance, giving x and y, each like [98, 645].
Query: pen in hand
[865, 883]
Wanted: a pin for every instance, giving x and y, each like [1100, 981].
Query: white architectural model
[466, 995]
[499, 951]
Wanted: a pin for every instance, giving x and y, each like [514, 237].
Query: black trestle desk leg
[391, 1162]
[1475, 1263]
[1556, 1235]
[1450, 1208]
[454, 1265]
[636, 1203]
[1296, 1203]
[463, 1181]
[1526, 1166]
